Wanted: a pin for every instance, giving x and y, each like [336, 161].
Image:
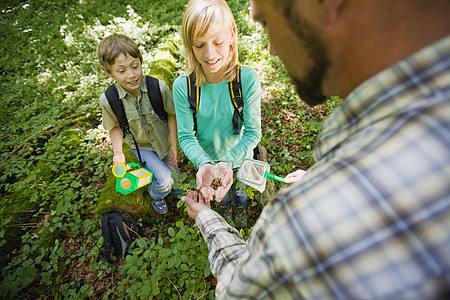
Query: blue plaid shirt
[371, 219]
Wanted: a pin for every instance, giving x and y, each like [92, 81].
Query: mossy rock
[164, 65]
[137, 203]
[164, 69]
[271, 189]
[173, 48]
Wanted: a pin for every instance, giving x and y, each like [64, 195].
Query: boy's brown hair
[114, 45]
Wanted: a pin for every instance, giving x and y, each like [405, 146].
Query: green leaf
[75, 184]
[60, 251]
[182, 177]
[147, 253]
[27, 276]
[171, 232]
[26, 249]
[146, 288]
[132, 270]
[27, 263]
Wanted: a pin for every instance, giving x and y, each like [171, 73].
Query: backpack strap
[235, 89]
[107, 248]
[193, 97]
[112, 95]
[130, 226]
[120, 238]
[154, 93]
[117, 107]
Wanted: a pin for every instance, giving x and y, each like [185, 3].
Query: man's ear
[331, 10]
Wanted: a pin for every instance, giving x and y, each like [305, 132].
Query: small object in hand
[216, 183]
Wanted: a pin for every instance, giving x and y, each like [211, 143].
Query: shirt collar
[386, 94]
[123, 93]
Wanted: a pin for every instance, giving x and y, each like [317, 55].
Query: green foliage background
[55, 157]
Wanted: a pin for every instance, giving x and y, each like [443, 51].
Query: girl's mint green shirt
[215, 140]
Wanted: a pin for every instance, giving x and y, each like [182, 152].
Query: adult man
[371, 218]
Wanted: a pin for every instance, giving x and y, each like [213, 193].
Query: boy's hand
[195, 203]
[118, 157]
[223, 171]
[174, 156]
[205, 176]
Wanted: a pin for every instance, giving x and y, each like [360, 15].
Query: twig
[32, 211]
[21, 225]
[179, 295]
[42, 189]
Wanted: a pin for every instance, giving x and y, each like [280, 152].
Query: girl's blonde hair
[201, 18]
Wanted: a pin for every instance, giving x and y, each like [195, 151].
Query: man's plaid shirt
[371, 219]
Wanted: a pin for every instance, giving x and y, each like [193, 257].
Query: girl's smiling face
[127, 70]
[213, 53]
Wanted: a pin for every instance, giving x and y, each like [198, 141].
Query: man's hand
[205, 176]
[223, 171]
[295, 176]
[195, 203]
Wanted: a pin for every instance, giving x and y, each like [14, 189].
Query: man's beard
[309, 88]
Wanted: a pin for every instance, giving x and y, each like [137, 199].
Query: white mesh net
[252, 173]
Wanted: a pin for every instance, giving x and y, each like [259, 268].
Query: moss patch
[138, 202]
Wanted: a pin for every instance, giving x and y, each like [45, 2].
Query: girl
[207, 136]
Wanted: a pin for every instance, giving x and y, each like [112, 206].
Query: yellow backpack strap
[193, 97]
[235, 89]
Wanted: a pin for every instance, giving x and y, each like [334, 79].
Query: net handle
[274, 177]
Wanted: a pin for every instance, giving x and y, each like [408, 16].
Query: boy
[121, 59]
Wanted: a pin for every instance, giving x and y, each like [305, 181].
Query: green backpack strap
[235, 89]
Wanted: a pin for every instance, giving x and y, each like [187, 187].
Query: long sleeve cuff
[226, 246]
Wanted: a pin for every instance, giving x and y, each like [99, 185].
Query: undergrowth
[56, 157]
